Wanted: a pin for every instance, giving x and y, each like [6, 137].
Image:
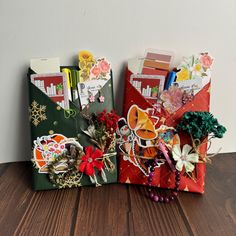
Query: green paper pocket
[48, 118]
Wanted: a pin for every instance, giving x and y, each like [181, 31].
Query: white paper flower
[184, 158]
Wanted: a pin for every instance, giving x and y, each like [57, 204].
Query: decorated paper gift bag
[158, 141]
[72, 146]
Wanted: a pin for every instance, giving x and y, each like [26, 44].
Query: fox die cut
[139, 138]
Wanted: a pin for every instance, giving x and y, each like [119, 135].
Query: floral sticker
[195, 67]
[101, 99]
[172, 99]
[48, 149]
[86, 62]
[100, 70]
[91, 98]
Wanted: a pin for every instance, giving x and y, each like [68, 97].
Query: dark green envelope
[58, 121]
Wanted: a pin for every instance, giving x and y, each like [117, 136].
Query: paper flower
[104, 66]
[91, 98]
[95, 71]
[90, 161]
[183, 74]
[206, 60]
[184, 158]
[101, 98]
[172, 99]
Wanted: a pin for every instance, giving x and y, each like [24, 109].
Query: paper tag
[45, 65]
[89, 88]
[191, 85]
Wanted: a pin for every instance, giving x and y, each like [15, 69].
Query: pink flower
[172, 99]
[104, 65]
[95, 70]
[206, 60]
[101, 98]
[91, 98]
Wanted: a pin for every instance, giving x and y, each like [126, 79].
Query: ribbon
[196, 145]
[165, 152]
[110, 166]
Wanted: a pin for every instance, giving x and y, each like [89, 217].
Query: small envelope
[164, 178]
[48, 118]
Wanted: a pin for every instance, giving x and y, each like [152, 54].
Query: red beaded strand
[156, 197]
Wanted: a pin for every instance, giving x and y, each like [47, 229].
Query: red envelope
[164, 177]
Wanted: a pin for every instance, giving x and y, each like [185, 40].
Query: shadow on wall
[23, 142]
[119, 90]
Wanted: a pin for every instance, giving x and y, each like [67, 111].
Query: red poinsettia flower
[89, 160]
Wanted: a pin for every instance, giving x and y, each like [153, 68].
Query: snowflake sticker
[37, 113]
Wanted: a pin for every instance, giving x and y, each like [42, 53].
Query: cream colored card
[134, 65]
[45, 65]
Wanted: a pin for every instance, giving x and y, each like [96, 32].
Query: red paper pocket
[164, 177]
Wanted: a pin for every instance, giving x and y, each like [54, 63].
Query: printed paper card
[94, 73]
[150, 86]
[157, 59]
[45, 65]
[54, 85]
[190, 86]
[88, 91]
[196, 66]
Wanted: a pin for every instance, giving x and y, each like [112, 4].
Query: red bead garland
[156, 197]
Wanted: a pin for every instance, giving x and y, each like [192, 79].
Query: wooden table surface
[117, 209]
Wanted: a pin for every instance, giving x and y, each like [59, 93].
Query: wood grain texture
[103, 211]
[49, 213]
[117, 209]
[150, 218]
[15, 195]
[214, 213]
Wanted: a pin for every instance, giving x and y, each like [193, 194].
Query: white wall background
[117, 29]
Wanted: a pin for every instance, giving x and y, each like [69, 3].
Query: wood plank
[50, 213]
[25, 212]
[117, 209]
[151, 218]
[15, 195]
[103, 211]
[214, 213]
[3, 167]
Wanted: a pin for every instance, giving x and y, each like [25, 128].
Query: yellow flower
[197, 68]
[182, 75]
[85, 56]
